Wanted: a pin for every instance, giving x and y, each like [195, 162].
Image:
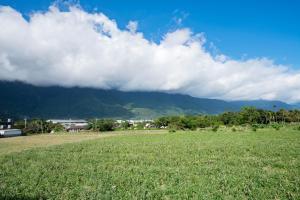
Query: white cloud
[76, 48]
[132, 26]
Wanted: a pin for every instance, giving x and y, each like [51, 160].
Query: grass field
[17, 144]
[182, 165]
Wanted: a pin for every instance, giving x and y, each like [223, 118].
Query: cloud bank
[77, 48]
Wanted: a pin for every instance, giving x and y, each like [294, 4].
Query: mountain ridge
[20, 100]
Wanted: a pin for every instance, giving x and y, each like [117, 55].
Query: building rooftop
[67, 120]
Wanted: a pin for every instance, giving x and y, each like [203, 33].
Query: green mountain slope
[20, 100]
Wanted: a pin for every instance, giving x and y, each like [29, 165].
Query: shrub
[215, 128]
[297, 128]
[276, 126]
[58, 128]
[172, 130]
[261, 126]
[255, 127]
[233, 129]
[102, 125]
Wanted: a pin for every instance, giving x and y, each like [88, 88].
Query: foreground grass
[183, 165]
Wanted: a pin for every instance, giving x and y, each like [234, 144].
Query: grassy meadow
[183, 165]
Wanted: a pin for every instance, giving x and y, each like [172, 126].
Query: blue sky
[239, 29]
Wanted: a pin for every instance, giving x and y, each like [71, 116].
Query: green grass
[17, 144]
[184, 165]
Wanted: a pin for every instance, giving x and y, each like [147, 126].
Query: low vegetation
[18, 144]
[251, 154]
[248, 116]
[180, 165]
[231, 163]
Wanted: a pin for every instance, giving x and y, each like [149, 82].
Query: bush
[255, 127]
[297, 128]
[57, 128]
[233, 129]
[125, 125]
[215, 128]
[172, 130]
[276, 126]
[102, 125]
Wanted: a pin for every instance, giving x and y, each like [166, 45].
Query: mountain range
[19, 100]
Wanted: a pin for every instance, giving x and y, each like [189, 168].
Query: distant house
[147, 123]
[71, 125]
[6, 124]
[134, 121]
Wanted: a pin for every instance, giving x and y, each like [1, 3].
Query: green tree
[249, 115]
[102, 125]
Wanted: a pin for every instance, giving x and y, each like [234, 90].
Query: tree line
[35, 126]
[246, 116]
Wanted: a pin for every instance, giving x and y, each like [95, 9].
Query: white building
[71, 124]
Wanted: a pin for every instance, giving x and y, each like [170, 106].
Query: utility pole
[41, 122]
[95, 125]
[25, 122]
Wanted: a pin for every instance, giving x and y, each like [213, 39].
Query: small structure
[10, 132]
[6, 124]
[71, 125]
[146, 123]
